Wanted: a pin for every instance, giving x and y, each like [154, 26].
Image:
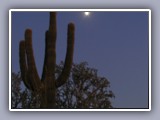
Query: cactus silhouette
[47, 84]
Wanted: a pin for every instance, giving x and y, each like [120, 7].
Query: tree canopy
[83, 90]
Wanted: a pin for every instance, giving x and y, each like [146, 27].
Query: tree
[22, 98]
[84, 89]
[16, 90]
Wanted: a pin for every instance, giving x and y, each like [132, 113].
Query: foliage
[22, 98]
[16, 94]
[84, 89]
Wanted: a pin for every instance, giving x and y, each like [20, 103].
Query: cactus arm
[23, 66]
[69, 56]
[32, 71]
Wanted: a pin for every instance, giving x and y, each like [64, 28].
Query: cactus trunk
[47, 84]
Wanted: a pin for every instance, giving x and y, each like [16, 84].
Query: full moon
[86, 13]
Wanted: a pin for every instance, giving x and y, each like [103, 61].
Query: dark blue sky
[115, 43]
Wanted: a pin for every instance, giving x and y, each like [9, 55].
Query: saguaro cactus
[46, 86]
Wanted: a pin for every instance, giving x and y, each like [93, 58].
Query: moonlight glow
[86, 13]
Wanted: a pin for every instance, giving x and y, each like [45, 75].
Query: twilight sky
[115, 43]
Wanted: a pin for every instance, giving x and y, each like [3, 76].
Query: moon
[86, 13]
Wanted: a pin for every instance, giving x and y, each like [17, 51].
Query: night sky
[115, 43]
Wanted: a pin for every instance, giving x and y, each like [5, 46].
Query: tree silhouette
[83, 90]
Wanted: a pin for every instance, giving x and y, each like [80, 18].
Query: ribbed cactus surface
[47, 84]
